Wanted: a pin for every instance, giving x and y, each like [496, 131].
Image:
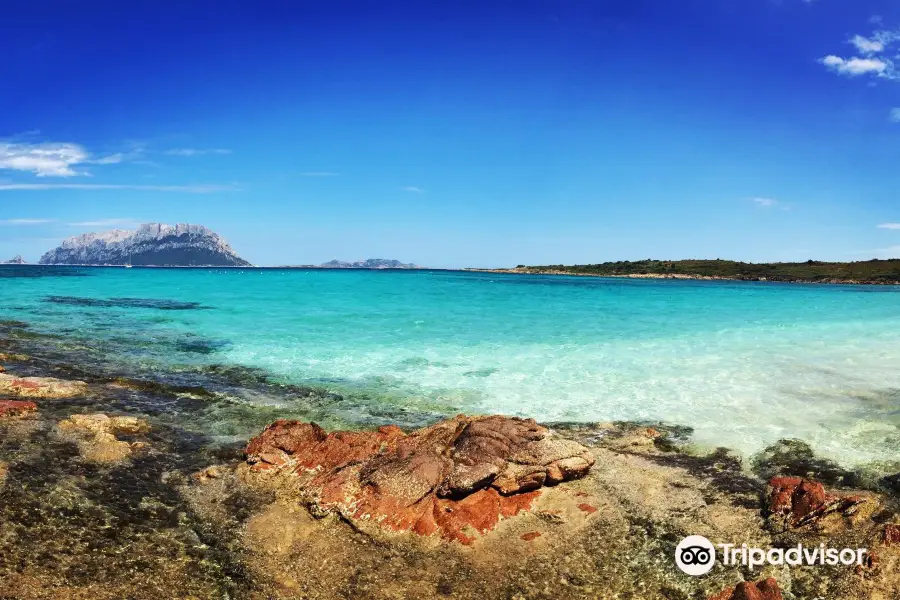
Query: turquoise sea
[743, 364]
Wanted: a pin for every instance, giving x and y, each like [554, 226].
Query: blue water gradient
[742, 363]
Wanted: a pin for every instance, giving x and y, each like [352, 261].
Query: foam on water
[743, 363]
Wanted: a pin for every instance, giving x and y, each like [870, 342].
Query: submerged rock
[766, 589]
[796, 458]
[40, 387]
[96, 436]
[457, 478]
[16, 408]
[124, 303]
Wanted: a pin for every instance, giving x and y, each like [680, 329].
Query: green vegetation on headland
[870, 271]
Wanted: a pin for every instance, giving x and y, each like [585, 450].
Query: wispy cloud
[894, 115]
[52, 159]
[889, 252]
[188, 189]
[107, 160]
[768, 203]
[105, 223]
[889, 226]
[319, 174]
[413, 189]
[196, 151]
[25, 221]
[875, 56]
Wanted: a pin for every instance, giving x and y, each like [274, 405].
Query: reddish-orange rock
[531, 535]
[587, 508]
[766, 589]
[891, 534]
[798, 501]
[457, 478]
[16, 408]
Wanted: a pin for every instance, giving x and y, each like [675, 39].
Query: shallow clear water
[744, 364]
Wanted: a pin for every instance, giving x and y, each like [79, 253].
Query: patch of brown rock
[795, 502]
[16, 408]
[40, 387]
[456, 479]
[766, 589]
[95, 435]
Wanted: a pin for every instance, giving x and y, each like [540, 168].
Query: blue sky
[468, 134]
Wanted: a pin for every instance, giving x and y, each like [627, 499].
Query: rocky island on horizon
[369, 263]
[15, 260]
[152, 244]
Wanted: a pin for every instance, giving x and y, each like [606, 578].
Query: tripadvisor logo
[696, 555]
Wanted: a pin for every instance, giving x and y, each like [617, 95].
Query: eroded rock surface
[16, 408]
[794, 502]
[457, 478]
[96, 436]
[40, 387]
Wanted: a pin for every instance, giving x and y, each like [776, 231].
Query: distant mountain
[154, 244]
[372, 263]
[15, 260]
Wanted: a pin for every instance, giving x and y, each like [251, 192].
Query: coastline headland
[871, 272]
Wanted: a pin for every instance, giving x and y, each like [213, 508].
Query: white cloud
[51, 159]
[105, 223]
[196, 151]
[188, 189]
[413, 189]
[44, 160]
[25, 221]
[894, 115]
[765, 202]
[856, 66]
[319, 174]
[867, 46]
[889, 226]
[877, 58]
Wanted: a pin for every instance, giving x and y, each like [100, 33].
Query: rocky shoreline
[101, 499]
[529, 271]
